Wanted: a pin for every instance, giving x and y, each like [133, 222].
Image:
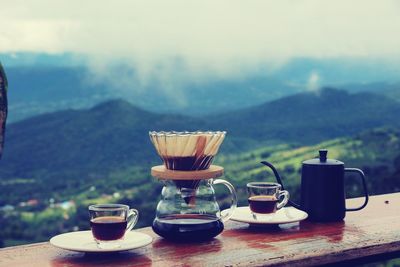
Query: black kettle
[322, 188]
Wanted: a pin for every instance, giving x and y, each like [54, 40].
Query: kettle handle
[361, 173]
[278, 178]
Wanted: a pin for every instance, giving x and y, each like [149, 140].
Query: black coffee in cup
[263, 204]
[108, 227]
[266, 198]
[110, 222]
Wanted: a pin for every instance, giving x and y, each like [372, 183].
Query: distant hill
[40, 89]
[110, 136]
[391, 90]
[311, 117]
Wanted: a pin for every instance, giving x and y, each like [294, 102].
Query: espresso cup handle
[132, 218]
[233, 195]
[285, 199]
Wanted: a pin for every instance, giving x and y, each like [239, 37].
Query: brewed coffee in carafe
[188, 210]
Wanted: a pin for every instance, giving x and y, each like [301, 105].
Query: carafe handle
[232, 190]
[361, 173]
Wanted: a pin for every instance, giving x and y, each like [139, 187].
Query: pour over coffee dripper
[187, 151]
[188, 209]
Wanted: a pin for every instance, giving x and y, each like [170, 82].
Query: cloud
[313, 82]
[176, 40]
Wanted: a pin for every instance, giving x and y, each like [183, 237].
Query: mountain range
[114, 135]
[42, 89]
[311, 117]
[41, 83]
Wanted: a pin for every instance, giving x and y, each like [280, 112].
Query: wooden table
[372, 231]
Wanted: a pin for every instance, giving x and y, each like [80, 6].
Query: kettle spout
[278, 178]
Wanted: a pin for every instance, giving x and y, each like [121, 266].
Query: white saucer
[83, 241]
[284, 215]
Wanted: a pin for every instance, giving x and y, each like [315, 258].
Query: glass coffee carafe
[188, 209]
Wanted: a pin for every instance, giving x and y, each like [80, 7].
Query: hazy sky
[207, 36]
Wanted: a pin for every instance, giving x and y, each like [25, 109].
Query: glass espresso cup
[110, 222]
[265, 199]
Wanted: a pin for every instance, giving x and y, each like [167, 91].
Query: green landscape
[85, 84]
[57, 164]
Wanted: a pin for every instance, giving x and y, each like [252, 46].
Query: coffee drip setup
[188, 210]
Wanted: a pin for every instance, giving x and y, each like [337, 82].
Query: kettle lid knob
[322, 160]
[323, 153]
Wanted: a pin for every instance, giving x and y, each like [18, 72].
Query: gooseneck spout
[278, 178]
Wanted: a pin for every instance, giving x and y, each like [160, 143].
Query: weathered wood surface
[374, 230]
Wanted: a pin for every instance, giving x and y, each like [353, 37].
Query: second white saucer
[284, 215]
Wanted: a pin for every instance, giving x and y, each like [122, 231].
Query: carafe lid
[322, 160]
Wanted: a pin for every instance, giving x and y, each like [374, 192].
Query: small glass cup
[264, 199]
[110, 222]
